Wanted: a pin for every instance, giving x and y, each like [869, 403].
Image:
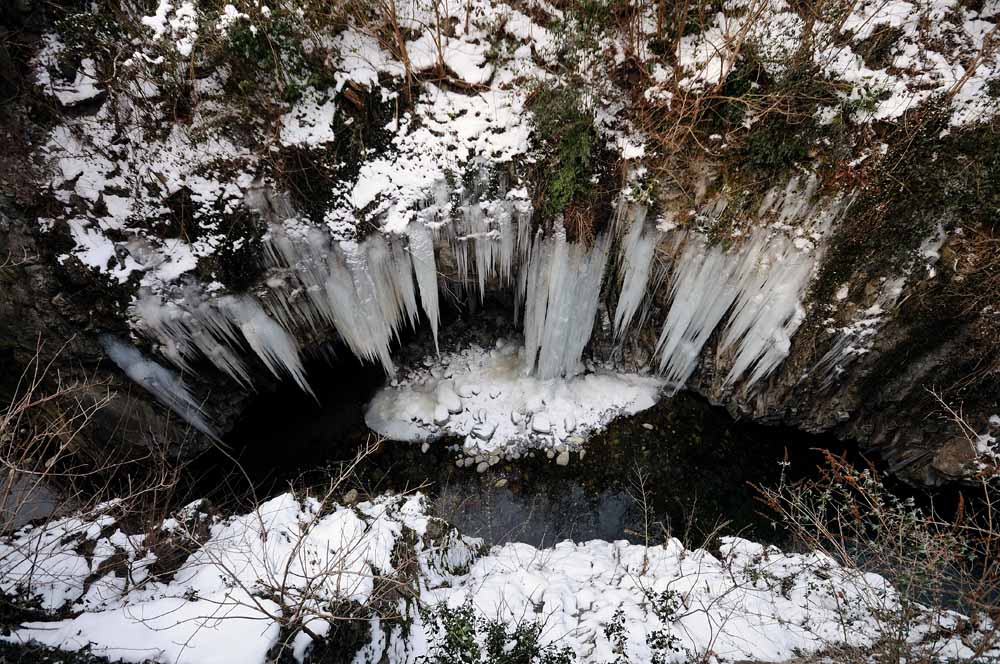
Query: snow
[310, 122]
[484, 396]
[224, 602]
[220, 606]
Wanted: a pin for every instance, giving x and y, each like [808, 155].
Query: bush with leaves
[463, 637]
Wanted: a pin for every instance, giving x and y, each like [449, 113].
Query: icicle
[272, 343]
[167, 387]
[638, 249]
[701, 292]
[767, 312]
[425, 268]
[563, 284]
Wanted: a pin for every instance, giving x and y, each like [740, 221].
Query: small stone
[467, 391]
[582, 452]
[647, 425]
[500, 483]
[550, 454]
[493, 460]
[482, 467]
[484, 432]
[351, 497]
[562, 459]
[540, 423]
[441, 414]
[425, 447]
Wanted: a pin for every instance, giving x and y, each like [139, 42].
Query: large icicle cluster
[563, 290]
[219, 329]
[755, 286]
[368, 290]
[365, 290]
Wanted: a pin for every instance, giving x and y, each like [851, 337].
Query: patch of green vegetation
[931, 173]
[460, 631]
[95, 33]
[566, 130]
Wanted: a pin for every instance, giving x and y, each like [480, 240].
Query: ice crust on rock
[485, 396]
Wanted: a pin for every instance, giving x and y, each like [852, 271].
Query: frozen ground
[256, 579]
[487, 397]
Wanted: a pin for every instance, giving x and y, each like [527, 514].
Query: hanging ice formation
[758, 284]
[167, 387]
[219, 329]
[368, 290]
[365, 290]
[638, 249]
[563, 291]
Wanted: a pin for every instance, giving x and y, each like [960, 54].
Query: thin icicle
[638, 249]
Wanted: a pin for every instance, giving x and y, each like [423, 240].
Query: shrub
[936, 564]
[462, 637]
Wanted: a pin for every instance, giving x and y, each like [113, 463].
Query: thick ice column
[425, 269]
[563, 287]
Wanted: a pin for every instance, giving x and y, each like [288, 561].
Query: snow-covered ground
[256, 579]
[488, 397]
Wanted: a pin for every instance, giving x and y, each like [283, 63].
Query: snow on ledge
[485, 396]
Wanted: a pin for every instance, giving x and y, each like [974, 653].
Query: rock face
[51, 313]
[155, 214]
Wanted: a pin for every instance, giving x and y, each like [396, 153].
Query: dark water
[682, 468]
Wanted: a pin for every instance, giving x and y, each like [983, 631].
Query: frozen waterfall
[563, 292]
[368, 290]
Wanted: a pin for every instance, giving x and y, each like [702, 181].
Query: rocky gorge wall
[225, 239]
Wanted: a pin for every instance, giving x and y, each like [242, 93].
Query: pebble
[482, 467]
[485, 431]
[647, 425]
[562, 459]
[425, 447]
[540, 423]
[441, 414]
[500, 483]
